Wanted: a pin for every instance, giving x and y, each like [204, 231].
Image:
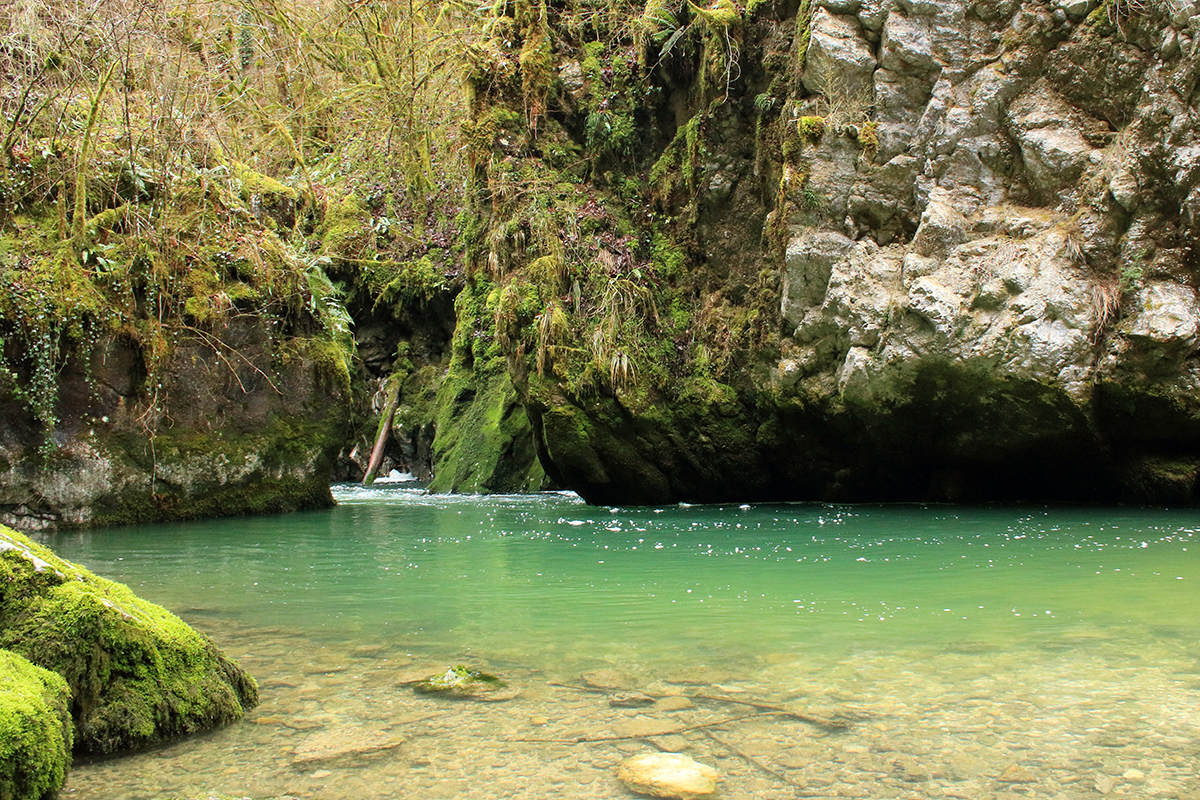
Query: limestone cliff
[850, 249]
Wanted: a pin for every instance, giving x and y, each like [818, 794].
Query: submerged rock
[467, 684]
[630, 700]
[344, 741]
[137, 673]
[668, 775]
[35, 729]
[608, 678]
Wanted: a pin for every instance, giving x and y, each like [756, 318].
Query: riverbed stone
[608, 678]
[344, 742]
[671, 775]
[639, 727]
[462, 683]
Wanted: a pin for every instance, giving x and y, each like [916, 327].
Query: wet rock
[677, 703]
[700, 675]
[640, 727]
[630, 700]
[671, 775]
[608, 679]
[1016, 773]
[415, 674]
[466, 684]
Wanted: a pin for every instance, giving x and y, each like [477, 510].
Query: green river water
[974, 652]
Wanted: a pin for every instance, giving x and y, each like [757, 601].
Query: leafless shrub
[1106, 303]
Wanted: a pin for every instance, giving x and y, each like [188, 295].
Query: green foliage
[765, 102]
[35, 730]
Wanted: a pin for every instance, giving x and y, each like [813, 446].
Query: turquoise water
[892, 615]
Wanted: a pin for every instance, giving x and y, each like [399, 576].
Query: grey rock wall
[1030, 212]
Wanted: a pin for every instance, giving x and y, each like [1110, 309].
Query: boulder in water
[467, 684]
[671, 775]
[137, 673]
[344, 742]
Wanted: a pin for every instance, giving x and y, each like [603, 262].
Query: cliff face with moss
[845, 250]
[178, 368]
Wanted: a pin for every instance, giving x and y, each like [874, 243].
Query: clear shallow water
[965, 644]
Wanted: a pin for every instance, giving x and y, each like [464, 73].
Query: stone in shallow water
[465, 684]
[1017, 774]
[344, 741]
[672, 775]
[638, 727]
[630, 700]
[677, 703]
[608, 679]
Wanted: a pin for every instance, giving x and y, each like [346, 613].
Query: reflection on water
[978, 652]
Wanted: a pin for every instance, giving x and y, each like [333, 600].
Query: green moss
[484, 441]
[678, 168]
[415, 281]
[667, 256]
[804, 17]
[717, 16]
[137, 673]
[537, 66]
[35, 730]
[868, 137]
[346, 231]
[253, 184]
[811, 129]
[488, 129]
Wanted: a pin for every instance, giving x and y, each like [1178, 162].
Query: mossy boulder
[137, 673]
[35, 729]
[462, 683]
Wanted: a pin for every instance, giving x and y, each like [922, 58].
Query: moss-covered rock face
[844, 251]
[137, 673]
[239, 420]
[35, 730]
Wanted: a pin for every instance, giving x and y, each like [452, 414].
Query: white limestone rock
[907, 46]
[809, 261]
[839, 59]
[1168, 315]
[1050, 133]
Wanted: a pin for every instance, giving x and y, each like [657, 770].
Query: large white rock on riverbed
[668, 775]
